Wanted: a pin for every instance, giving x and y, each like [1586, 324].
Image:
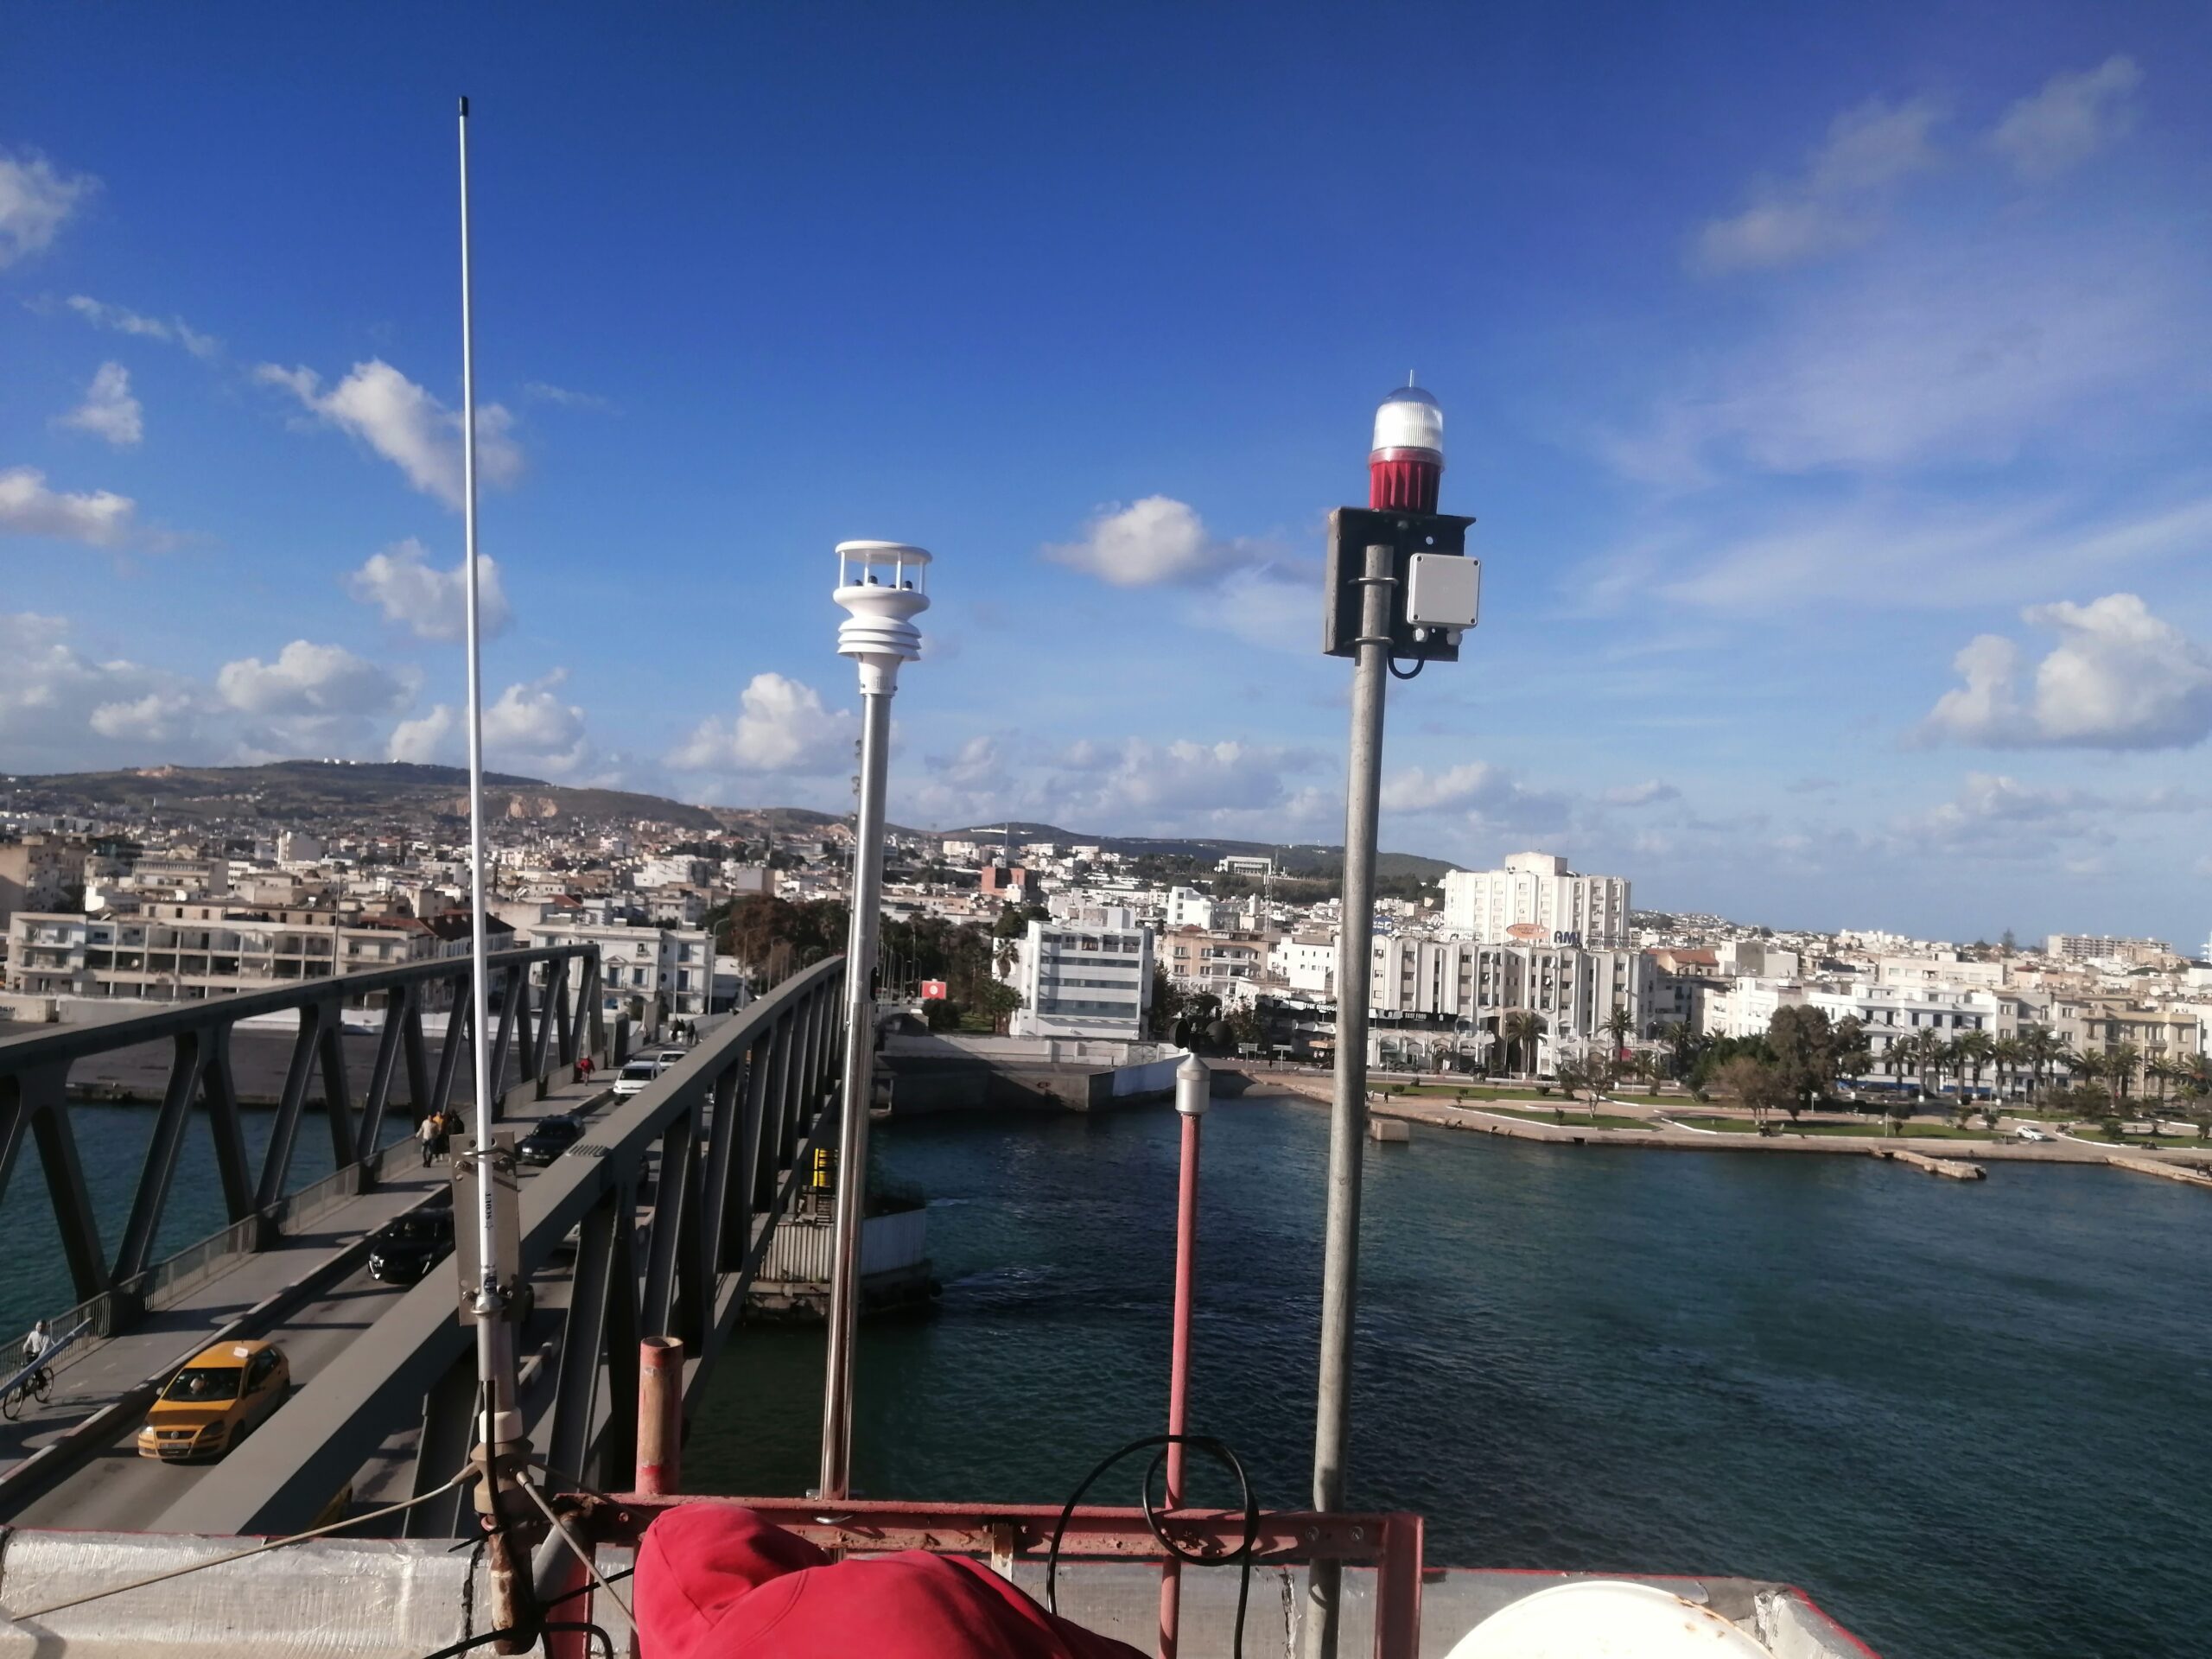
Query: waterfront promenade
[1577, 1129]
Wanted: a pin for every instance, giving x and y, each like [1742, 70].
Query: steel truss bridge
[669, 1200]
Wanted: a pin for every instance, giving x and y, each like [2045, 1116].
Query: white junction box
[1442, 590]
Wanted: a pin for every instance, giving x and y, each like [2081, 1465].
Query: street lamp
[881, 586]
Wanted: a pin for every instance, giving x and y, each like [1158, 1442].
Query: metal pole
[1193, 1084]
[1348, 1112]
[660, 1416]
[859, 1084]
[501, 1431]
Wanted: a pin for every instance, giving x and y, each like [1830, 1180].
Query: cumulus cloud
[36, 200]
[406, 424]
[1157, 540]
[1650, 792]
[166, 716]
[310, 679]
[421, 740]
[123, 320]
[531, 725]
[1835, 202]
[2073, 118]
[781, 726]
[2119, 678]
[109, 410]
[1185, 781]
[52, 695]
[1490, 796]
[977, 764]
[429, 602]
[99, 518]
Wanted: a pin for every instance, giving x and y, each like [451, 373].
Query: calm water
[1969, 1419]
[111, 1144]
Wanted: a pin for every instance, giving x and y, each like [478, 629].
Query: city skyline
[1831, 410]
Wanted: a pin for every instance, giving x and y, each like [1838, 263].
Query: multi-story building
[1188, 907]
[1306, 963]
[1536, 899]
[653, 974]
[1087, 974]
[1226, 965]
[181, 952]
[1443, 983]
[2095, 947]
[37, 871]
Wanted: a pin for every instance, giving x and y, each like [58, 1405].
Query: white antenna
[503, 1436]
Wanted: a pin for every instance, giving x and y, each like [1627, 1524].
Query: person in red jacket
[716, 1581]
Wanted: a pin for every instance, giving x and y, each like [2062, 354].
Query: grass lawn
[2084, 1132]
[1475, 1095]
[1575, 1119]
[1876, 1129]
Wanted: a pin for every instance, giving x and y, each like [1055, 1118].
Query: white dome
[1409, 419]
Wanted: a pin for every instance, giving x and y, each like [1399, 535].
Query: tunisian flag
[715, 1581]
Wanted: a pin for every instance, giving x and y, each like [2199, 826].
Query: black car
[553, 1136]
[402, 1252]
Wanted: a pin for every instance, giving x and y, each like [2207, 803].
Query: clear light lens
[1409, 419]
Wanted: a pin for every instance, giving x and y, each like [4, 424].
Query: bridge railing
[113, 1286]
[710, 1150]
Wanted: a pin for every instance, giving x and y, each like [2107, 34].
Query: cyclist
[36, 1345]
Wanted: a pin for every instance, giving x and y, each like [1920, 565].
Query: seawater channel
[1969, 1418]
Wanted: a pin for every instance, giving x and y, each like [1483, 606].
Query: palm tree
[1522, 1029]
[1619, 1025]
[2122, 1060]
[1971, 1052]
[1679, 1041]
[2011, 1053]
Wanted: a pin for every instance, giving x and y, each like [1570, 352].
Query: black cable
[1419, 662]
[1242, 1555]
[466, 1644]
[588, 1585]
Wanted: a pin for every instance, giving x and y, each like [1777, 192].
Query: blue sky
[1832, 386]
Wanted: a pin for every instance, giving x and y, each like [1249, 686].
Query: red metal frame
[1390, 1543]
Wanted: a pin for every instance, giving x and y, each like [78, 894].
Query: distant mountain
[1300, 859]
[306, 791]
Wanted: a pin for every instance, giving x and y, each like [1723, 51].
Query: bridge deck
[119, 1488]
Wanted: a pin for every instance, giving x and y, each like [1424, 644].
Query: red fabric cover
[716, 1581]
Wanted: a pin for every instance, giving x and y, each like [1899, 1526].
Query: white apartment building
[1085, 974]
[2093, 947]
[1443, 981]
[1188, 907]
[1536, 899]
[663, 971]
[673, 873]
[1948, 970]
[1245, 864]
[1306, 963]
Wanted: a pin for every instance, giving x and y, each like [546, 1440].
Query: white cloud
[430, 603]
[309, 679]
[977, 764]
[1186, 781]
[781, 726]
[167, 717]
[422, 739]
[1149, 542]
[1650, 792]
[35, 202]
[2119, 678]
[562, 398]
[1491, 797]
[124, 321]
[530, 728]
[1275, 606]
[51, 695]
[109, 410]
[1834, 204]
[406, 425]
[2069, 120]
[101, 519]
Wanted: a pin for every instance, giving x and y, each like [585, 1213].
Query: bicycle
[38, 1386]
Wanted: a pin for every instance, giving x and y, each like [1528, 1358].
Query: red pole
[1192, 1084]
[660, 1416]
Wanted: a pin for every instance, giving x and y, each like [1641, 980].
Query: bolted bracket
[1352, 531]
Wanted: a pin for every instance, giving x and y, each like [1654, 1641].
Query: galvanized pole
[1348, 1111]
[859, 1086]
[1193, 1088]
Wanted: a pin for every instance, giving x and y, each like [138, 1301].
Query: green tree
[1803, 1044]
[1522, 1029]
[1756, 1084]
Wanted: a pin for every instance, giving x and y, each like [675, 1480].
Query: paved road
[118, 1488]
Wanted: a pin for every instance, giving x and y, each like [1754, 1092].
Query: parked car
[633, 1078]
[221, 1395]
[550, 1138]
[2028, 1132]
[668, 1057]
[403, 1251]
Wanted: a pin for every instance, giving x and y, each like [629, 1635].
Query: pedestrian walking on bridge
[426, 1134]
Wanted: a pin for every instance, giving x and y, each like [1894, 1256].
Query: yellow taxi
[223, 1394]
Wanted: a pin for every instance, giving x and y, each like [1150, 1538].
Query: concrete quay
[2189, 1165]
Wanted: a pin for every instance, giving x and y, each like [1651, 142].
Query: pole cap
[1193, 1087]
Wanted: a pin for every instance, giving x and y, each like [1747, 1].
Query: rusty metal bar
[660, 1416]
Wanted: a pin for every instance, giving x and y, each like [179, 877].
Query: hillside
[308, 791]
